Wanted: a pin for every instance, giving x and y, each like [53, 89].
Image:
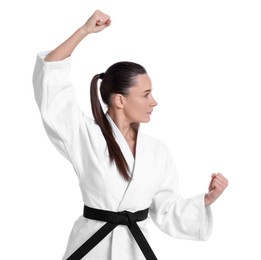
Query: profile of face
[138, 104]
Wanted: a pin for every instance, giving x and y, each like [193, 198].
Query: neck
[127, 128]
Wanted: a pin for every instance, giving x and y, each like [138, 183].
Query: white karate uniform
[154, 184]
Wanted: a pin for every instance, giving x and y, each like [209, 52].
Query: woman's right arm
[62, 117]
[96, 23]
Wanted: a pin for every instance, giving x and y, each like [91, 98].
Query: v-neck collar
[132, 185]
[120, 139]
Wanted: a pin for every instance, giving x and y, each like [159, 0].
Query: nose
[154, 102]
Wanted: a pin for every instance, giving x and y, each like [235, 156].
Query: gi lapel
[123, 145]
[129, 194]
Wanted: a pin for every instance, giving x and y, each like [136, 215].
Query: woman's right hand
[97, 22]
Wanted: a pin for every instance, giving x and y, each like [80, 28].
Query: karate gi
[154, 184]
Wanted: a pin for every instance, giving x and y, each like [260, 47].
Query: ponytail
[115, 152]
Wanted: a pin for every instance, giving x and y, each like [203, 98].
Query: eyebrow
[148, 90]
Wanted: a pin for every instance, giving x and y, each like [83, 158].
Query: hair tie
[101, 76]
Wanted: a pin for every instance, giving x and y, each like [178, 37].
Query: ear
[118, 101]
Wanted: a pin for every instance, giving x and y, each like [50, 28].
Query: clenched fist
[216, 187]
[97, 22]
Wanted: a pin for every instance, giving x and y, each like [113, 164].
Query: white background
[204, 58]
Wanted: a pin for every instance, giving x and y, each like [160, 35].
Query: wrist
[84, 31]
[207, 200]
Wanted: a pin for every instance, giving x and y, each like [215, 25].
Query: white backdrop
[204, 61]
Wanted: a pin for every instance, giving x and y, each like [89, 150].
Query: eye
[147, 93]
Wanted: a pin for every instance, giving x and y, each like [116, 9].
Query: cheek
[133, 104]
[135, 111]
[140, 106]
[137, 107]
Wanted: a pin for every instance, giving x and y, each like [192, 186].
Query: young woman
[123, 174]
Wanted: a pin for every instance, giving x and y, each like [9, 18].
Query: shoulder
[94, 133]
[90, 123]
[154, 143]
[155, 153]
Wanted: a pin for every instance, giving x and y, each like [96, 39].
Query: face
[139, 103]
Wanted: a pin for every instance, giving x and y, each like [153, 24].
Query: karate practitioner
[124, 175]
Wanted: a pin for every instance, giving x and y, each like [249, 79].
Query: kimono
[154, 182]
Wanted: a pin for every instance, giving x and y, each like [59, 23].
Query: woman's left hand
[217, 185]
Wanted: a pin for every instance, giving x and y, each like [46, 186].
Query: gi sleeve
[178, 217]
[61, 115]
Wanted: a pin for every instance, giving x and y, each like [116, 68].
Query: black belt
[114, 219]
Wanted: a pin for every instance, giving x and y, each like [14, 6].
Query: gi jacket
[154, 184]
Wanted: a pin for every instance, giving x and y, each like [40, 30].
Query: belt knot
[129, 216]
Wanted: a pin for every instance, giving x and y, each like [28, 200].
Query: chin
[146, 120]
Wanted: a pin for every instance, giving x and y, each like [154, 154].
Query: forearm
[65, 49]
[96, 23]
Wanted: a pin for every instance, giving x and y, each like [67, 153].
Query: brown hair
[117, 79]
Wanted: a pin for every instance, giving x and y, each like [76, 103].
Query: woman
[123, 174]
